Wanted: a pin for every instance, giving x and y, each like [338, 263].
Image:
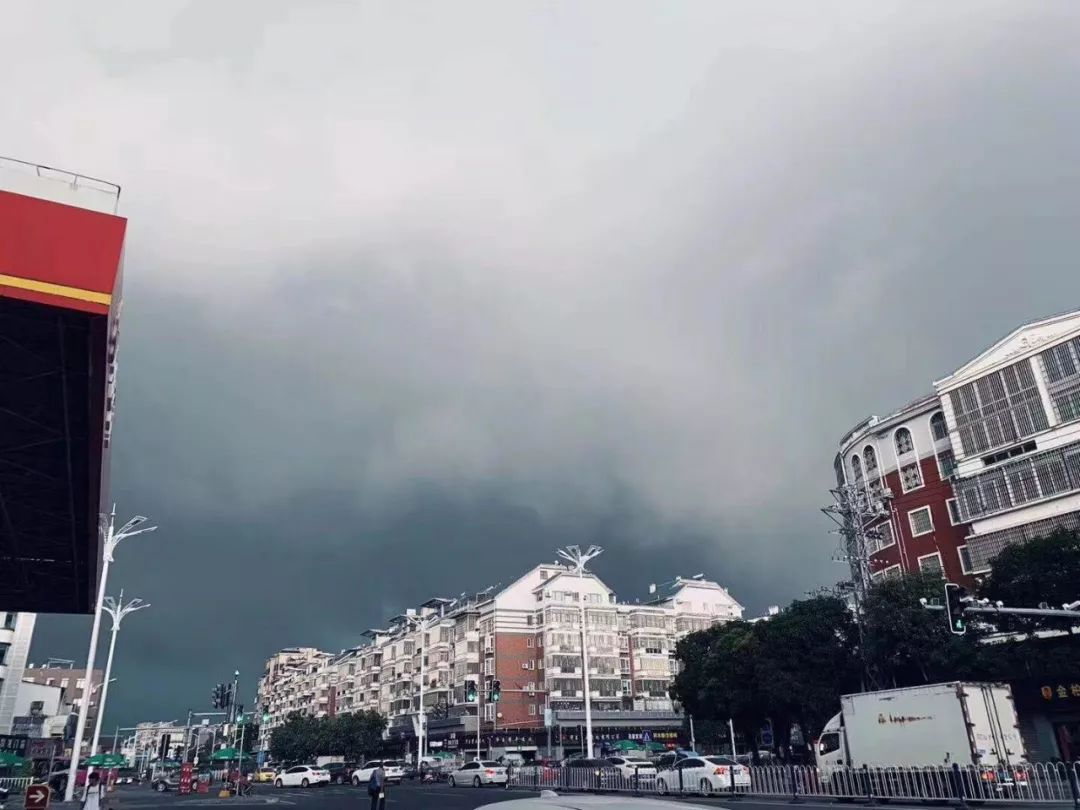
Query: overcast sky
[417, 292]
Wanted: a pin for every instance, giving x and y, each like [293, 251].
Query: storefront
[1049, 714]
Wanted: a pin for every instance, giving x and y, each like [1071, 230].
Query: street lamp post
[117, 610]
[421, 715]
[111, 537]
[578, 558]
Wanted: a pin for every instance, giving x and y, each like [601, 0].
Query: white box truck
[970, 724]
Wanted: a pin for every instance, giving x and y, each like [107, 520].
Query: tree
[296, 740]
[904, 644]
[790, 669]
[359, 734]
[1045, 569]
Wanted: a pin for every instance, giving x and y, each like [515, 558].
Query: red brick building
[904, 461]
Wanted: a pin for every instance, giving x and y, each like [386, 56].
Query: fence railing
[14, 784]
[1029, 783]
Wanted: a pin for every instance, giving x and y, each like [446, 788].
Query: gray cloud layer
[417, 292]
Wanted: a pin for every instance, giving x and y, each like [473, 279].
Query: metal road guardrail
[1027, 783]
[14, 784]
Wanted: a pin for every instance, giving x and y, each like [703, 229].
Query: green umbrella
[626, 745]
[9, 759]
[657, 746]
[443, 755]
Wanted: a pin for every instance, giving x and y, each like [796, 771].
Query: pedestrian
[376, 788]
[93, 793]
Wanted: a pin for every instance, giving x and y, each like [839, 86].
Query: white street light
[577, 558]
[421, 715]
[110, 539]
[117, 610]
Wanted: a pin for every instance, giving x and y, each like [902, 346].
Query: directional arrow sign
[37, 797]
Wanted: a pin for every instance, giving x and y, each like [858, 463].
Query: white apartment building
[16, 632]
[1013, 417]
[527, 636]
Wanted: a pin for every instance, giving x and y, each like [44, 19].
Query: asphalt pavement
[414, 796]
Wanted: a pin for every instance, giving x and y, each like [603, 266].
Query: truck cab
[830, 752]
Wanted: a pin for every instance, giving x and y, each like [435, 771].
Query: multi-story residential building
[991, 458]
[74, 684]
[16, 632]
[1013, 415]
[903, 463]
[288, 685]
[528, 637]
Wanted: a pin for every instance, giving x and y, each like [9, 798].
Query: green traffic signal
[954, 607]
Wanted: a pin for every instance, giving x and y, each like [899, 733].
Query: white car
[302, 776]
[393, 768]
[629, 768]
[477, 773]
[703, 775]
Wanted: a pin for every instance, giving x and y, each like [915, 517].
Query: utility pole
[117, 610]
[858, 517]
[110, 539]
[578, 558]
[232, 697]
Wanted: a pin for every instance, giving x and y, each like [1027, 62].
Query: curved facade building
[990, 459]
[904, 461]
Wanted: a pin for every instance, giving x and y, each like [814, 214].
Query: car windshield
[487, 764]
[393, 763]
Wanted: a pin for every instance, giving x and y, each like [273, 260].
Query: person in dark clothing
[376, 788]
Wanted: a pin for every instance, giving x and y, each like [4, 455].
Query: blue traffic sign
[646, 737]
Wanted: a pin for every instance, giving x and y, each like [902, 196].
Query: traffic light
[954, 607]
[470, 691]
[163, 746]
[496, 691]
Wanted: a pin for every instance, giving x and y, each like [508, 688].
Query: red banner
[185, 778]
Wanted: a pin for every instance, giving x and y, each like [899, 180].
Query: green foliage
[1046, 569]
[904, 644]
[301, 738]
[790, 669]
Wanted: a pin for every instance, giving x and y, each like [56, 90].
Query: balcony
[1034, 478]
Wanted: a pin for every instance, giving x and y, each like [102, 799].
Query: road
[411, 796]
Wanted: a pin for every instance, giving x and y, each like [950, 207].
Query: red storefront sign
[185, 778]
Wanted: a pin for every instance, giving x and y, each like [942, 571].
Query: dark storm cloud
[415, 295]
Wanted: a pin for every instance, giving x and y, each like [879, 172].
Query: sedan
[478, 773]
[265, 775]
[703, 774]
[644, 770]
[302, 776]
[393, 768]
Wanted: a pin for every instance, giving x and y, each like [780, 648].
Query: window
[903, 441]
[529, 641]
[937, 427]
[869, 460]
[64, 683]
[3, 653]
[910, 476]
[998, 409]
[946, 463]
[1062, 374]
[532, 710]
[965, 560]
[9, 621]
[827, 743]
[954, 512]
[838, 468]
[931, 564]
[884, 535]
[856, 468]
[921, 521]
[80, 683]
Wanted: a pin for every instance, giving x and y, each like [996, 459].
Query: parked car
[340, 772]
[704, 775]
[478, 773]
[393, 768]
[265, 775]
[644, 770]
[302, 776]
